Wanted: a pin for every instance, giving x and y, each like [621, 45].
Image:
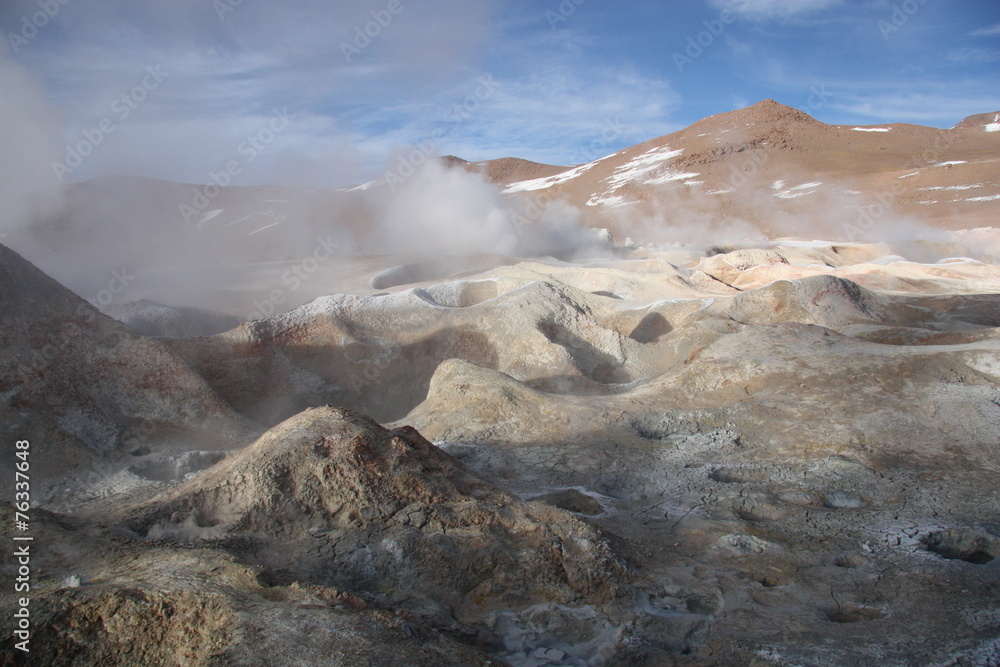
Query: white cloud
[986, 32]
[224, 77]
[970, 54]
[774, 9]
[932, 108]
[936, 98]
[543, 115]
[558, 116]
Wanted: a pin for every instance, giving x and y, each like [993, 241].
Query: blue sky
[559, 81]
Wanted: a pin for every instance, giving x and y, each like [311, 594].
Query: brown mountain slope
[767, 170]
[786, 173]
[508, 170]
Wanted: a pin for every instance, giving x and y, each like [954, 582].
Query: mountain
[767, 171]
[789, 174]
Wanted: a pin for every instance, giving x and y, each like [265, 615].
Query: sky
[332, 93]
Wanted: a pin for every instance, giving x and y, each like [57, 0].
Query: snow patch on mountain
[671, 175]
[548, 181]
[796, 190]
[953, 187]
[641, 165]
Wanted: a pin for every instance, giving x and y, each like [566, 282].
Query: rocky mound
[331, 497]
[988, 122]
[373, 354]
[86, 389]
[158, 320]
[727, 267]
[824, 300]
[494, 405]
[827, 301]
[100, 598]
[407, 274]
[128, 626]
[120, 625]
[762, 113]
[377, 354]
[507, 170]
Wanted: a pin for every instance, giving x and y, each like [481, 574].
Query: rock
[393, 508]
[573, 501]
[854, 614]
[726, 267]
[842, 500]
[548, 656]
[757, 510]
[738, 475]
[850, 560]
[239, 621]
[72, 581]
[158, 320]
[971, 546]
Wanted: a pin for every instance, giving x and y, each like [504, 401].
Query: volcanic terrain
[663, 425]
